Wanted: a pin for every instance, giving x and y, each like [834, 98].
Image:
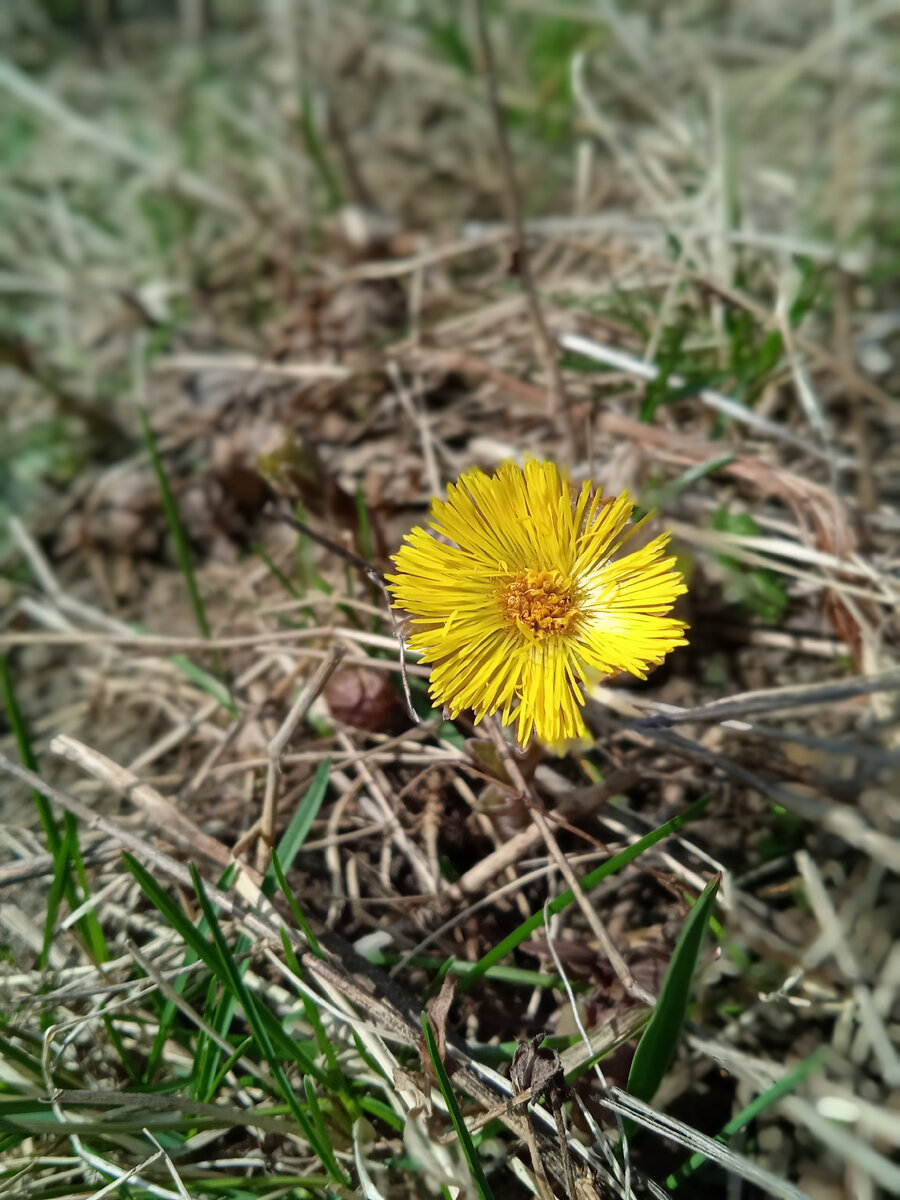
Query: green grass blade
[301, 822]
[26, 753]
[296, 911]
[267, 1031]
[88, 926]
[465, 1138]
[301, 1052]
[335, 1080]
[174, 916]
[207, 1053]
[779, 1089]
[657, 1046]
[29, 1065]
[179, 538]
[60, 885]
[242, 1187]
[205, 682]
[662, 496]
[175, 527]
[610, 867]
[227, 1065]
[454, 966]
[118, 1044]
[315, 148]
[232, 978]
[275, 570]
[63, 884]
[220, 1016]
[215, 954]
[325, 1138]
[167, 1018]
[310, 1010]
[384, 1112]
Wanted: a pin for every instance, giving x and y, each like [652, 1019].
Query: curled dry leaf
[414, 1089]
[822, 517]
[438, 1011]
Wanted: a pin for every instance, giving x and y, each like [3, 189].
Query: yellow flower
[527, 604]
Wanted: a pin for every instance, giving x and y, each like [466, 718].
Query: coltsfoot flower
[528, 604]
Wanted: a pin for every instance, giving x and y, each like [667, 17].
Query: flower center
[540, 602]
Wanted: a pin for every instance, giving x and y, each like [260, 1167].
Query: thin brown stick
[545, 343]
[161, 814]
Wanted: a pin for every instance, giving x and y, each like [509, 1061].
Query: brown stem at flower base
[628, 981]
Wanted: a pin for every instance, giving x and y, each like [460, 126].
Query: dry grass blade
[665, 1126]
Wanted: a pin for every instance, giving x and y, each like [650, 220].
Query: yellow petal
[528, 600]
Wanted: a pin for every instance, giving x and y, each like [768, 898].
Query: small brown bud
[365, 699]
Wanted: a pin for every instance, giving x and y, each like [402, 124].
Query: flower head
[527, 603]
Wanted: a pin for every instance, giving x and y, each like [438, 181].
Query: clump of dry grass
[286, 237]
